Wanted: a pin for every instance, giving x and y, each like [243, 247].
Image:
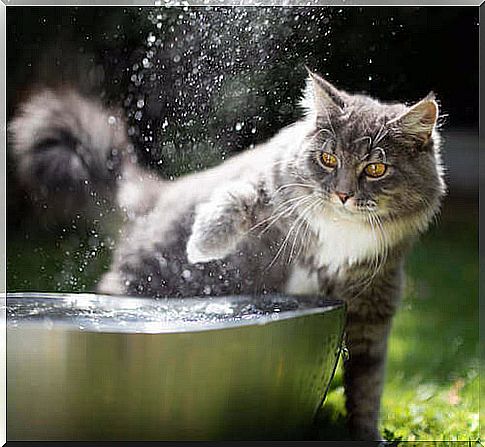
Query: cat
[330, 205]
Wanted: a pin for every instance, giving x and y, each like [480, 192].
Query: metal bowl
[96, 367]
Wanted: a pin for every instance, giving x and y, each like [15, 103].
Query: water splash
[210, 76]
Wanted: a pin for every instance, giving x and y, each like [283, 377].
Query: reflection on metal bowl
[94, 367]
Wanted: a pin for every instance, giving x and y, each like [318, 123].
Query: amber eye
[375, 170]
[329, 160]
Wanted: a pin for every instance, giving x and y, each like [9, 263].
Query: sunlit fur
[382, 211]
[274, 219]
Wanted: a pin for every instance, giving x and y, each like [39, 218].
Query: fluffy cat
[330, 205]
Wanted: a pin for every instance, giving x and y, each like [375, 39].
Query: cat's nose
[344, 196]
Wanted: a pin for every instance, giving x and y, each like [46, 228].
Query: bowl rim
[322, 306]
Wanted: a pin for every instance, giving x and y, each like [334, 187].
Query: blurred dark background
[198, 84]
[201, 83]
[397, 53]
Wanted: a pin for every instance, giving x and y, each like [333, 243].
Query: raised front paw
[221, 223]
[209, 241]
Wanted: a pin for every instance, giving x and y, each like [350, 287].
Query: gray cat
[330, 205]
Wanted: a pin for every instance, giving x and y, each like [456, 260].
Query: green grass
[431, 391]
[432, 386]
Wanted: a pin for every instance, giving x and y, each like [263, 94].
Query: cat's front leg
[369, 320]
[221, 223]
[364, 377]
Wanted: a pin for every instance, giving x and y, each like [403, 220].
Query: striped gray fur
[267, 220]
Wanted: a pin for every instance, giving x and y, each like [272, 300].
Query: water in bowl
[89, 312]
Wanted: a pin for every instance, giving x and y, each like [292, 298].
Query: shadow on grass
[330, 423]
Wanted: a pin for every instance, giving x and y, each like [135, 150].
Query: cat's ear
[321, 97]
[419, 121]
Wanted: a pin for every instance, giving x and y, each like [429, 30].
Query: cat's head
[366, 158]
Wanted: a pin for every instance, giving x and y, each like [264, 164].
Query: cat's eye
[329, 160]
[375, 170]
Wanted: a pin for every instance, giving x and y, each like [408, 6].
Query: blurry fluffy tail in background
[73, 158]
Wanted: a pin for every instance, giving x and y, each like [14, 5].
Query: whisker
[290, 185]
[381, 134]
[318, 133]
[304, 221]
[288, 235]
[334, 134]
[285, 213]
[287, 208]
[379, 257]
[307, 234]
[381, 252]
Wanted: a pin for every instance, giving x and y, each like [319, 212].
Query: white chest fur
[341, 243]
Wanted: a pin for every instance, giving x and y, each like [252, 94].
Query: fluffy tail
[70, 153]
